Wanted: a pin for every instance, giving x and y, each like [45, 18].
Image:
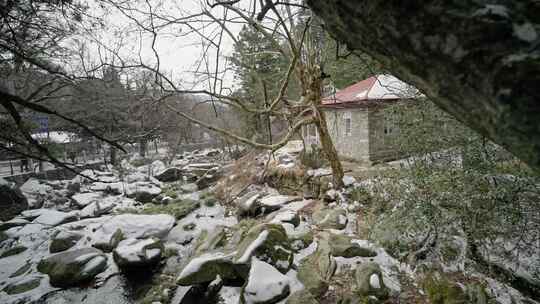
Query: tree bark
[477, 60]
[315, 89]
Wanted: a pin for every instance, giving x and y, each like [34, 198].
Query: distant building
[359, 127]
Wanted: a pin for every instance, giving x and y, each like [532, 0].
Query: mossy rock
[327, 218]
[63, 241]
[12, 251]
[316, 270]
[443, 291]
[178, 208]
[110, 245]
[23, 285]
[210, 201]
[369, 281]
[269, 243]
[22, 270]
[209, 241]
[302, 241]
[70, 268]
[3, 236]
[206, 267]
[342, 246]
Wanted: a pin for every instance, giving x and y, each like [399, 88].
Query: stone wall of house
[356, 144]
[382, 135]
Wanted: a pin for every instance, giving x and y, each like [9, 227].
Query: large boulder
[171, 174]
[206, 267]
[51, 218]
[265, 284]
[209, 178]
[131, 226]
[344, 246]
[71, 268]
[12, 200]
[316, 270]
[328, 218]
[136, 254]
[35, 191]
[23, 285]
[143, 192]
[269, 243]
[113, 188]
[64, 240]
[84, 199]
[16, 222]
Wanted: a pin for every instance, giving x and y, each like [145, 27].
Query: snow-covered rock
[133, 253]
[143, 192]
[171, 174]
[84, 199]
[112, 188]
[64, 240]
[133, 226]
[70, 268]
[97, 208]
[348, 180]
[53, 218]
[206, 267]
[265, 284]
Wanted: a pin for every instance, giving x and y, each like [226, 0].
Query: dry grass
[242, 173]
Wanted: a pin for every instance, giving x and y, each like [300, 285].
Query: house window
[348, 124]
[390, 124]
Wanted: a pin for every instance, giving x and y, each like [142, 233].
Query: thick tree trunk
[477, 60]
[329, 149]
[315, 89]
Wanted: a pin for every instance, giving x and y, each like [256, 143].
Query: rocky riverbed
[201, 230]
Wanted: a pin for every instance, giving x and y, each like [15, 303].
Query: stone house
[360, 127]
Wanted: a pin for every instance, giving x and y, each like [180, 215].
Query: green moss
[361, 195]
[449, 253]
[178, 209]
[22, 286]
[275, 249]
[160, 290]
[22, 270]
[443, 291]
[13, 251]
[210, 201]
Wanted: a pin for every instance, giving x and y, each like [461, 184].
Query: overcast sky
[179, 53]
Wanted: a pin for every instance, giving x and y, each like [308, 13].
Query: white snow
[283, 216]
[348, 180]
[93, 264]
[196, 263]
[133, 250]
[56, 137]
[264, 283]
[50, 217]
[389, 87]
[134, 226]
[253, 246]
[374, 281]
[84, 199]
[277, 200]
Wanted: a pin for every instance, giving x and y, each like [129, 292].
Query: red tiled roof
[378, 88]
